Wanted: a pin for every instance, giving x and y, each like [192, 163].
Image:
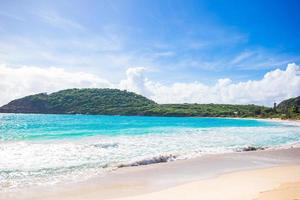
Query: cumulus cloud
[275, 86]
[26, 80]
[135, 81]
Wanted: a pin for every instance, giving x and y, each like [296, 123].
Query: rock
[252, 148]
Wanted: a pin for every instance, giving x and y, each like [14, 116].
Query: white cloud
[19, 82]
[58, 21]
[95, 53]
[164, 54]
[259, 58]
[241, 57]
[135, 80]
[276, 85]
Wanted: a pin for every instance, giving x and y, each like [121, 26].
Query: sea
[41, 150]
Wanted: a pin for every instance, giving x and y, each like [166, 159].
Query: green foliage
[290, 108]
[97, 101]
[117, 102]
[82, 101]
[209, 110]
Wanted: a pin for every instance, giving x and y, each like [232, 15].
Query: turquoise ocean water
[49, 149]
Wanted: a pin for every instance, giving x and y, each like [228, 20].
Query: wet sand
[249, 173]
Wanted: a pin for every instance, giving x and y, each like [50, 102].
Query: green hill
[81, 101]
[290, 108]
[117, 102]
[211, 110]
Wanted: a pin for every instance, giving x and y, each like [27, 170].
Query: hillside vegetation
[81, 101]
[289, 108]
[209, 110]
[117, 102]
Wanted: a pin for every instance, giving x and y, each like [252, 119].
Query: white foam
[34, 163]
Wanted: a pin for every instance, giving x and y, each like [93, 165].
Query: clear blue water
[46, 149]
[45, 127]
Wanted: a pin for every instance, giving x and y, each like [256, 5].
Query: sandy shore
[284, 191]
[262, 184]
[245, 175]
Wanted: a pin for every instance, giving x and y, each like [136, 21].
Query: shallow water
[47, 149]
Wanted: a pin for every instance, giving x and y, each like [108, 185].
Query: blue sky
[175, 40]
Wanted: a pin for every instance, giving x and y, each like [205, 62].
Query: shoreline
[184, 116]
[276, 183]
[297, 121]
[134, 180]
[140, 180]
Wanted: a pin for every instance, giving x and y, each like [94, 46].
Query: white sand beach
[270, 183]
[246, 175]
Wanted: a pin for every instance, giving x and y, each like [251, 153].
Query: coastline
[297, 121]
[274, 183]
[159, 179]
[157, 175]
[184, 116]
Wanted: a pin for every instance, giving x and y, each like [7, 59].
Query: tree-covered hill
[211, 110]
[81, 101]
[118, 102]
[290, 108]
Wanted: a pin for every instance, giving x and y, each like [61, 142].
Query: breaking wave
[148, 161]
[107, 143]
